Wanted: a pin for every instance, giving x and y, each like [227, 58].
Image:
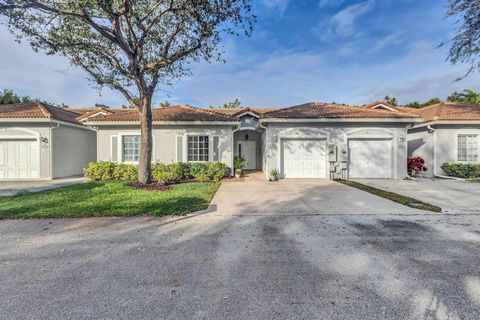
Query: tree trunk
[145, 162]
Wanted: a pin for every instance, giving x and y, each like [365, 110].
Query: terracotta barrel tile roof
[37, 110]
[236, 111]
[450, 111]
[315, 110]
[173, 113]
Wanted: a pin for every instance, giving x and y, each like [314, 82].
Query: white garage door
[19, 159]
[304, 158]
[370, 158]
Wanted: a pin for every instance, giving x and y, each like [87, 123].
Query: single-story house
[39, 141]
[449, 132]
[313, 140]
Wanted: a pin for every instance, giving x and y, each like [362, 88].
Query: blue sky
[301, 50]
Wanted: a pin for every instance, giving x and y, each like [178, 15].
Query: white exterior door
[370, 158]
[19, 159]
[248, 150]
[304, 158]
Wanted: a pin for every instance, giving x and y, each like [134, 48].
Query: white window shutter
[216, 148]
[114, 149]
[179, 150]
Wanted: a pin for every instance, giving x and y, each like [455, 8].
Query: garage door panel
[19, 159]
[370, 158]
[304, 158]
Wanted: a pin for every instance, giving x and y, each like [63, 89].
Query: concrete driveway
[247, 264]
[300, 197]
[452, 196]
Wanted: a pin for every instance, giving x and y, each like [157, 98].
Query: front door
[248, 150]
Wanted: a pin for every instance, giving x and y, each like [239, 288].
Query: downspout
[264, 161]
[51, 149]
[435, 174]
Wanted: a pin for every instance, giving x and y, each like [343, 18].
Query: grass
[99, 199]
[406, 201]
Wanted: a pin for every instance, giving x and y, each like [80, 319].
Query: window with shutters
[198, 148]
[130, 148]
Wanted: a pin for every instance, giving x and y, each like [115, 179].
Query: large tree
[465, 46]
[130, 45]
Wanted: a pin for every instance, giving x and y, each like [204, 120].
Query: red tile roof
[237, 111]
[37, 110]
[173, 113]
[316, 110]
[450, 111]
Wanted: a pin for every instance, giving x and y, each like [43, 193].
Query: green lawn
[98, 199]
[406, 201]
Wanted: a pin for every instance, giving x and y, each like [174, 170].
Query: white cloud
[392, 39]
[279, 5]
[330, 3]
[342, 24]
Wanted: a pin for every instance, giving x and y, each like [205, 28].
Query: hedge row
[462, 170]
[213, 171]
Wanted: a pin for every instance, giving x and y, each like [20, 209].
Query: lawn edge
[392, 196]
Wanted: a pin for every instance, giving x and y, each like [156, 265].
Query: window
[130, 148]
[198, 148]
[467, 147]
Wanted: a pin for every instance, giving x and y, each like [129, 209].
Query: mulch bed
[149, 186]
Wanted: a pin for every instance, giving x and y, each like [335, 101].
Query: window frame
[209, 147]
[122, 150]
[467, 134]
[120, 136]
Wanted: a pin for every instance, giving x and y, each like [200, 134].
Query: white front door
[248, 150]
[370, 158]
[304, 158]
[19, 159]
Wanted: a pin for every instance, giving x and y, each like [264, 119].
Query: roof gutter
[361, 120]
[196, 123]
[434, 122]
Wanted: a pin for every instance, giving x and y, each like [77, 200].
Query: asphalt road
[242, 267]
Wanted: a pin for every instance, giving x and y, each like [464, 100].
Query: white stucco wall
[164, 140]
[72, 149]
[422, 143]
[338, 134]
[34, 130]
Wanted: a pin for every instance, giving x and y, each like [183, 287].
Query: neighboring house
[313, 140]
[449, 132]
[39, 141]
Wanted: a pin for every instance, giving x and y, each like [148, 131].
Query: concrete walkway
[11, 188]
[256, 196]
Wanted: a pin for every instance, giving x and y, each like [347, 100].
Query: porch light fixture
[246, 137]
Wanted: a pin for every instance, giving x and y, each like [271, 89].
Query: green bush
[199, 170]
[125, 172]
[462, 170]
[217, 171]
[273, 175]
[172, 172]
[178, 171]
[99, 170]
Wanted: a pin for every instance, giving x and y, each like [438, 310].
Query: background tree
[165, 104]
[466, 96]
[130, 46]
[10, 97]
[392, 100]
[233, 104]
[418, 105]
[465, 46]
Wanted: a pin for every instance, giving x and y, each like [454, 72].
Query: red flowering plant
[416, 166]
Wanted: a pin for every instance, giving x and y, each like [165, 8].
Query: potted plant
[239, 163]
[416, 166]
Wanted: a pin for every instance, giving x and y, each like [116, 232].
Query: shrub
[125, 172]
[415, 166]
[216, 171]
[199, 170]
[273, 175]
[99, 170]
[173, 171]
[462, 170]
